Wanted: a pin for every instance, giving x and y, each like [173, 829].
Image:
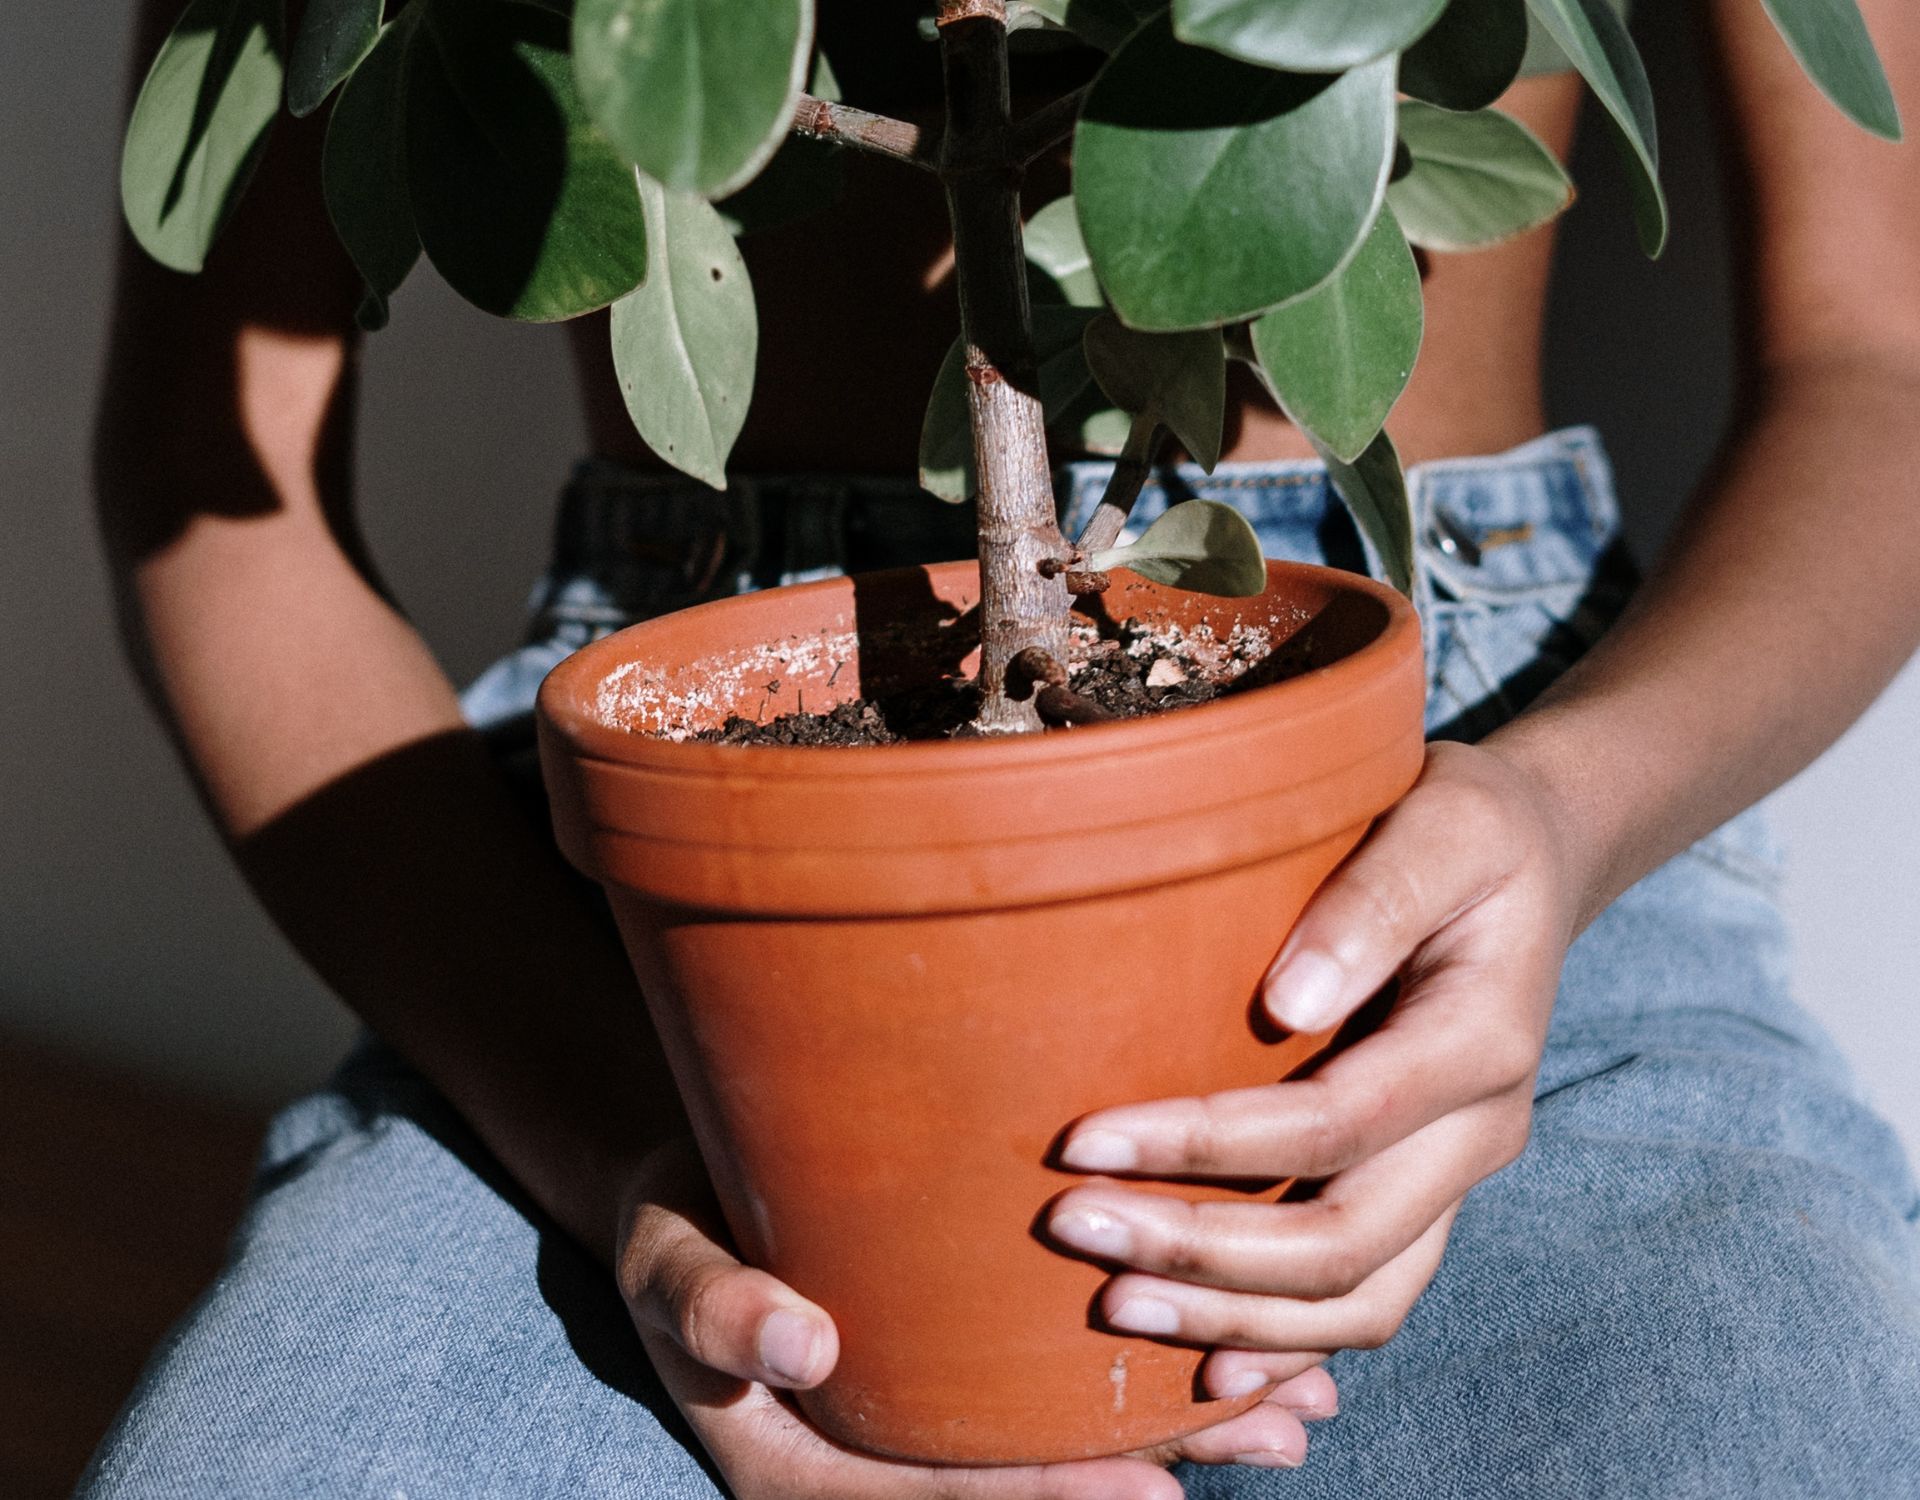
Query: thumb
[679, 1279]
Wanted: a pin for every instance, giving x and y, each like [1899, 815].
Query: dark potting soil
[1129, 673]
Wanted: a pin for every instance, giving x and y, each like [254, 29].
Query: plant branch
[859, 130]
[1123, 488]
[1045, 128]
[1057, 702]
[1019, 607]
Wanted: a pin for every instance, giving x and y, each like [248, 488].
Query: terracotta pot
[887, 978]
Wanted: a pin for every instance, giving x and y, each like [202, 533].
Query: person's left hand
[1465, 892]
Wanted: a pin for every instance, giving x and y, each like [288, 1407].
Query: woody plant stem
[980, 157]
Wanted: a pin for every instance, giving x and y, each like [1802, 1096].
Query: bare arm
[325, 741]
[1786, 602]
[1783, 606]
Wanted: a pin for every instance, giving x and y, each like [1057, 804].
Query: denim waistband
[1518, 564]
[630, 544]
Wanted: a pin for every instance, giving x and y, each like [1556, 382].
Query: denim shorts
[1699, 1279]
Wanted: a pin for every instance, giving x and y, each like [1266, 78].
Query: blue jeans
[1699, 1280]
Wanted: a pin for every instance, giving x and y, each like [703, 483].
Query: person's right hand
[725, 1339]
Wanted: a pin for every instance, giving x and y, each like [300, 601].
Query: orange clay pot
[887, 978]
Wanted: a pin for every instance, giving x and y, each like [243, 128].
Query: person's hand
[725, 1339]
[1465, 893]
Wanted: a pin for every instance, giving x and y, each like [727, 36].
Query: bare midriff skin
[330, 751]
[860, 299]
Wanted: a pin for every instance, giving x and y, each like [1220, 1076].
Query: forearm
[326, 743]
[1782, 608]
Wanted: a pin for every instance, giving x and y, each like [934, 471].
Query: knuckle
[1209, 1133]
[698, 1303]
[1184, 1249]
[1338, 1263]
[1507, 1058]
[1375, 1327]
[1329, 1135]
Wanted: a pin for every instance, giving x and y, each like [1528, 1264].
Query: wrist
[1551, 753]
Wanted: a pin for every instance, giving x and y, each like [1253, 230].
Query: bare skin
[331, 754]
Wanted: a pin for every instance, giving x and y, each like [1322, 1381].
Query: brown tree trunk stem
[858, 130]
[1019, 608]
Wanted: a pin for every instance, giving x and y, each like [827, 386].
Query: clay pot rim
[570, 688]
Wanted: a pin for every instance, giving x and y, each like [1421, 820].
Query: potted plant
[985, 933]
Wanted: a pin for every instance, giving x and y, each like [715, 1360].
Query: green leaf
[1477, 179]
[1375, 490]
[1099, 23]
[1595, 40]
[1307, 36]
[1470, 56]
[1339, 357]
[1054, 245]
[520, 202]
[946, 434]
[1210, 190]
[363, 169]
[1179, 379]
[334, 36]
[1830, 41]
[685, 340]
[1201, 545]
[199, 126]
[697, 93]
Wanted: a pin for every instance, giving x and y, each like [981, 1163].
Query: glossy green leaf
[1307, 36]
[1470, 55]
[1201, 545]
[685, 340]
[1339, 357]
[520, 202]
[946, 433]
[334, 36]
[1375, 490]
[1180, 379]
[363, 170]
[1477, 179]
[1054, 245]
[1210, 190]
[1099, 23]
[698, 93]
[199, 126]
[1595, 41]
[1830, 41]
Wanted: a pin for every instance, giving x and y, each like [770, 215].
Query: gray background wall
[123, 931]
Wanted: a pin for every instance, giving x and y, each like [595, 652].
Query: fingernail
[1090, 1229]
[1243, 1384]
[1268, 1460]
[789, 1345]
[1146, 1315]
[1100, 1151]
[1303, 994]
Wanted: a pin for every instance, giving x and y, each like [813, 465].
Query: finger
[1446, 847]
[1230, 1373]
[1311, 1395]
[769, 1452]
[1264, 1436]
[679, 1279]
[1324, 1246]
[1363, 1319]
[1460, 1034]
